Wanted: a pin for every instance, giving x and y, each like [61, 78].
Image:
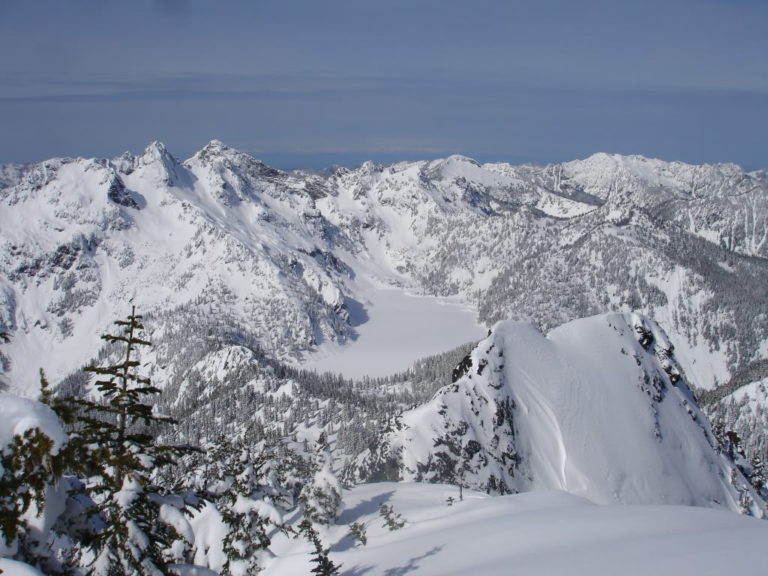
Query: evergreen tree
[392, 520]
[321, 496]
[757, 473]
[247, 492]
[27, 468]
[113, 445]
[324, 566]
[358, 531]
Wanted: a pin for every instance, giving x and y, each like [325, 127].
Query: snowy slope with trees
[91, 485]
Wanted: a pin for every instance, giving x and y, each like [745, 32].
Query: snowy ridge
[597, 408]
[81, 237]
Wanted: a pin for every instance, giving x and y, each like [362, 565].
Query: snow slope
[597, 408]
[539, 534]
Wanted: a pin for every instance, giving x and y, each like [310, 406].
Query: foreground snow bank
[13, 568]
[538, 534]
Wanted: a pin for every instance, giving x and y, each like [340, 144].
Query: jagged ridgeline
[273, 260]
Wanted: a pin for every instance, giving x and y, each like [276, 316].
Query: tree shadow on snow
[412, 564]
[357, 571]
[370, 506]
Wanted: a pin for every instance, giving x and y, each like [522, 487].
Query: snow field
[536, 534]
[397, 330]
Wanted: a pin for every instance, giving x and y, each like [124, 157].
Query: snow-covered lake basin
[393, 330]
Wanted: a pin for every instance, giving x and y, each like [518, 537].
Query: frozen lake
[395, 329]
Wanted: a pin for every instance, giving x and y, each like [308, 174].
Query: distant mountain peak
[156, 150]
[215, 148]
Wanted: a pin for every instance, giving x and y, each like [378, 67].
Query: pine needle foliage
[27, 467]
[392, 519]
[324, 566]
[112, 445]
[358, 531]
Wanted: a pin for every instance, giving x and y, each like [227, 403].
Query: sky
[310, 83]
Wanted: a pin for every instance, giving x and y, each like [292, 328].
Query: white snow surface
[394, 330]
[535, 534]
[10, 567]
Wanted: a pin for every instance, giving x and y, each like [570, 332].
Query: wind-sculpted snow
[598, 407]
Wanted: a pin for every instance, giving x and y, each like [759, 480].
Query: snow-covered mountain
[222, 233]
[282, 254]
[598, 408]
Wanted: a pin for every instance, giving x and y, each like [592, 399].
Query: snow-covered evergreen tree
[243, 482]
[324, 566]
[321, 496]
[27, 467]
[756, 474]
[119, 454]
[358, 531]
[392, 519]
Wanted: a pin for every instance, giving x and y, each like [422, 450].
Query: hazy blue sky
[315, 82]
